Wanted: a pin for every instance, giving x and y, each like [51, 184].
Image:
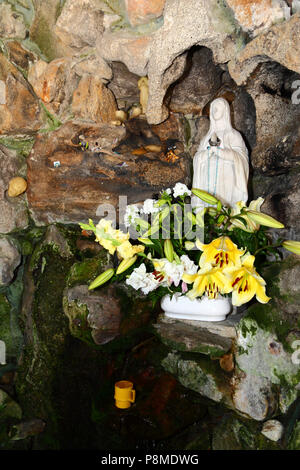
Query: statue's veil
[227, 127]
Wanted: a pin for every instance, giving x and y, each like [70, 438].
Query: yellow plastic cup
[124, 394]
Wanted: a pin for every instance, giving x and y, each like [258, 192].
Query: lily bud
[104, 277]
[205, 196]
[146, 241]
[189, 246]
[169, 250]
[264, 219]
[125, 264]
[292, 246]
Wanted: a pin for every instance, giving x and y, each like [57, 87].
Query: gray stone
[186, 23]
[192, 336]
[11, 23]
[195, 375]
[100, 309]
[253, 396]
[124, 85]
[9, 260]
[275, 44]
[198, 85]
[273, 430]
[80, 24]
[13, 211]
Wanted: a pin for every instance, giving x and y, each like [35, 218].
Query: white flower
[148, 207]
[189, 266]
[172, 272]
[140, 279]
[167, 191]
[131, 213]
[181, 189]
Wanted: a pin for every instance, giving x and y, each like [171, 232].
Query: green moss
[22, 146]
[42, 35]
[52, 122]
[84, 272]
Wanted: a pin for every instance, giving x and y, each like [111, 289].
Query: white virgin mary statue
[221, 164]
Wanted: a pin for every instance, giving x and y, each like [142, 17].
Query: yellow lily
[246, 282]
[252, 226]
[209, 279]
[220, 252]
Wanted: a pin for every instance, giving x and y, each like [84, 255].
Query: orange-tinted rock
[19, 107]
[73, 191]
[257, 15]
[143, 11]
[93, 101]
[53, 83]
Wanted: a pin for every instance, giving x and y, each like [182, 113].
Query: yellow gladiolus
[246, 282]
[220, 252]
[292, 245]
[209, 280]
[126, 250]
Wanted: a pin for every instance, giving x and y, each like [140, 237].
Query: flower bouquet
[199, 261]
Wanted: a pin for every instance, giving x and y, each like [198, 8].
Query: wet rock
[80, 24]
[198, 84]
[275, 44]
[20, 111]
[93, 101]
[258, 15]
[273, 430]
[13, 210]
[84, 180]
[197, 374]
[11, 409]
[9, 260]
[100, 309]
[253, 397]
[294, 443]
[141, 11]
[26, 429]
[54, 83]
[191, 336]
[11, 22]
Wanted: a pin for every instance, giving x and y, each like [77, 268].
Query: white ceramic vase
[204, 309]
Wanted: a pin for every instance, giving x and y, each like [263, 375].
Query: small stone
[227, 362]
[273, 430]
[17, 186]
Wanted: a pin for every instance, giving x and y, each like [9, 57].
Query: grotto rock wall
[65, 69]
